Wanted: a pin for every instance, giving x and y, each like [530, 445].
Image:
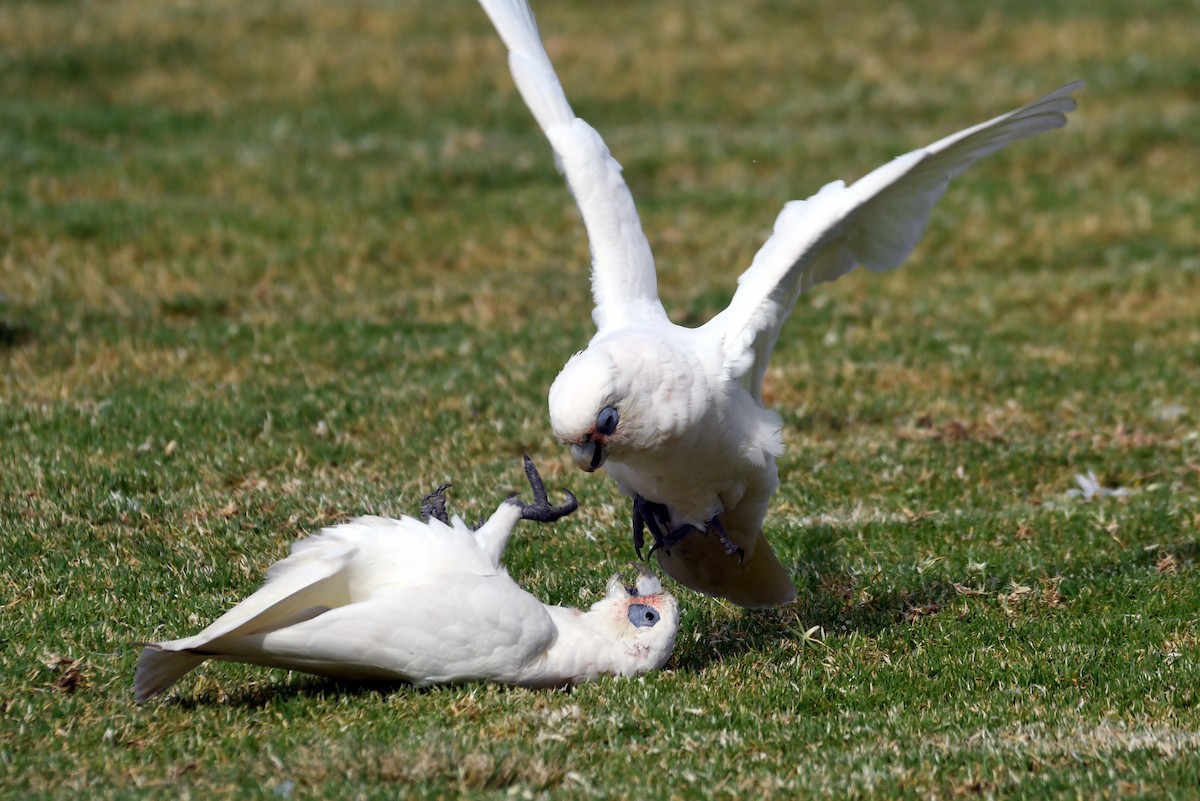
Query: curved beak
[647, 582]
[616, 588]
[589, 455]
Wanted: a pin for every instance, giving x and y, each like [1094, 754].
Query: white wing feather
[624, 283]
[875, 222]
[376, 597]
[454, 628]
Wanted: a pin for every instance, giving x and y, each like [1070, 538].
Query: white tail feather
[158, 669]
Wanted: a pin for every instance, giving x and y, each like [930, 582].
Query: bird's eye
[606, 421]
[642, 616]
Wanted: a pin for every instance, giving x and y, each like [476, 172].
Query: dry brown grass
[264, 266]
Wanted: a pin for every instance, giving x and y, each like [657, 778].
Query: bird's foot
[731, 547]
[541, 510]
[639, 532]
[433, 505]
[671, 538]
[639, 526]
[658, 519]
[647, 514]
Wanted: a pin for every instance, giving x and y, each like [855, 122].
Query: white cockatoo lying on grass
[676, 414]
[425, 602]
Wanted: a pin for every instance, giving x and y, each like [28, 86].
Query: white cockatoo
[425, 602]
[676, 414]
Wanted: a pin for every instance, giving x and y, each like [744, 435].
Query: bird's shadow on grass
[832, 599]
[829, 599]
[311, 686]
[14, 334]
[259, 696]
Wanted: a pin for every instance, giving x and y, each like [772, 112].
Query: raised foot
[541, 510]
[433, 505]
[657, 518]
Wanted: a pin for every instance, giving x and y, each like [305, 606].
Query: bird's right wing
[323, 571]
[424, 592]
[876, 222]
[624, 284]
[457, 627]
[305, 585]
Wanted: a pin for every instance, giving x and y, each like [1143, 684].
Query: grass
[266, 266]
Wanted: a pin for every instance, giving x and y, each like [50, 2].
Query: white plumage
[424, 602]
[675, 414]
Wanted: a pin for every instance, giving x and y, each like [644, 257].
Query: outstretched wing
[875, 222]
[624, 285]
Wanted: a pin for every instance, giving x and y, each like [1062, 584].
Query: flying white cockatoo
[425, 602]
[676, 414]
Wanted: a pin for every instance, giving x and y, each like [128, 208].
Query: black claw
[657, 518]
[658, 546]
[540, 498]
[548, 514]
[673, 538]
[433, 505]
[730, 546]
[639, 531]
[653, 516]
[541, 510]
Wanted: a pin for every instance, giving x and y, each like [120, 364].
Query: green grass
[265, 266]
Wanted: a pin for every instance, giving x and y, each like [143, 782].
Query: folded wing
[371, 598]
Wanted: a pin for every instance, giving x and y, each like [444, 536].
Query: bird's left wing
[875, 222]
[455, 627]
[624, 285]
[372, 598]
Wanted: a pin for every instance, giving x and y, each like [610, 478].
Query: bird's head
[615, 399]
[642, 618]
[588, 406]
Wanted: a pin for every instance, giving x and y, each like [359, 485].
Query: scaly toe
[433, 505]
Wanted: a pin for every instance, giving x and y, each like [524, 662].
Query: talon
[649, 515]
[433, 505]
[548, 514]
[540, 498]
[657, 518]
[730, 546]
[541, 510]
[639, 529]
